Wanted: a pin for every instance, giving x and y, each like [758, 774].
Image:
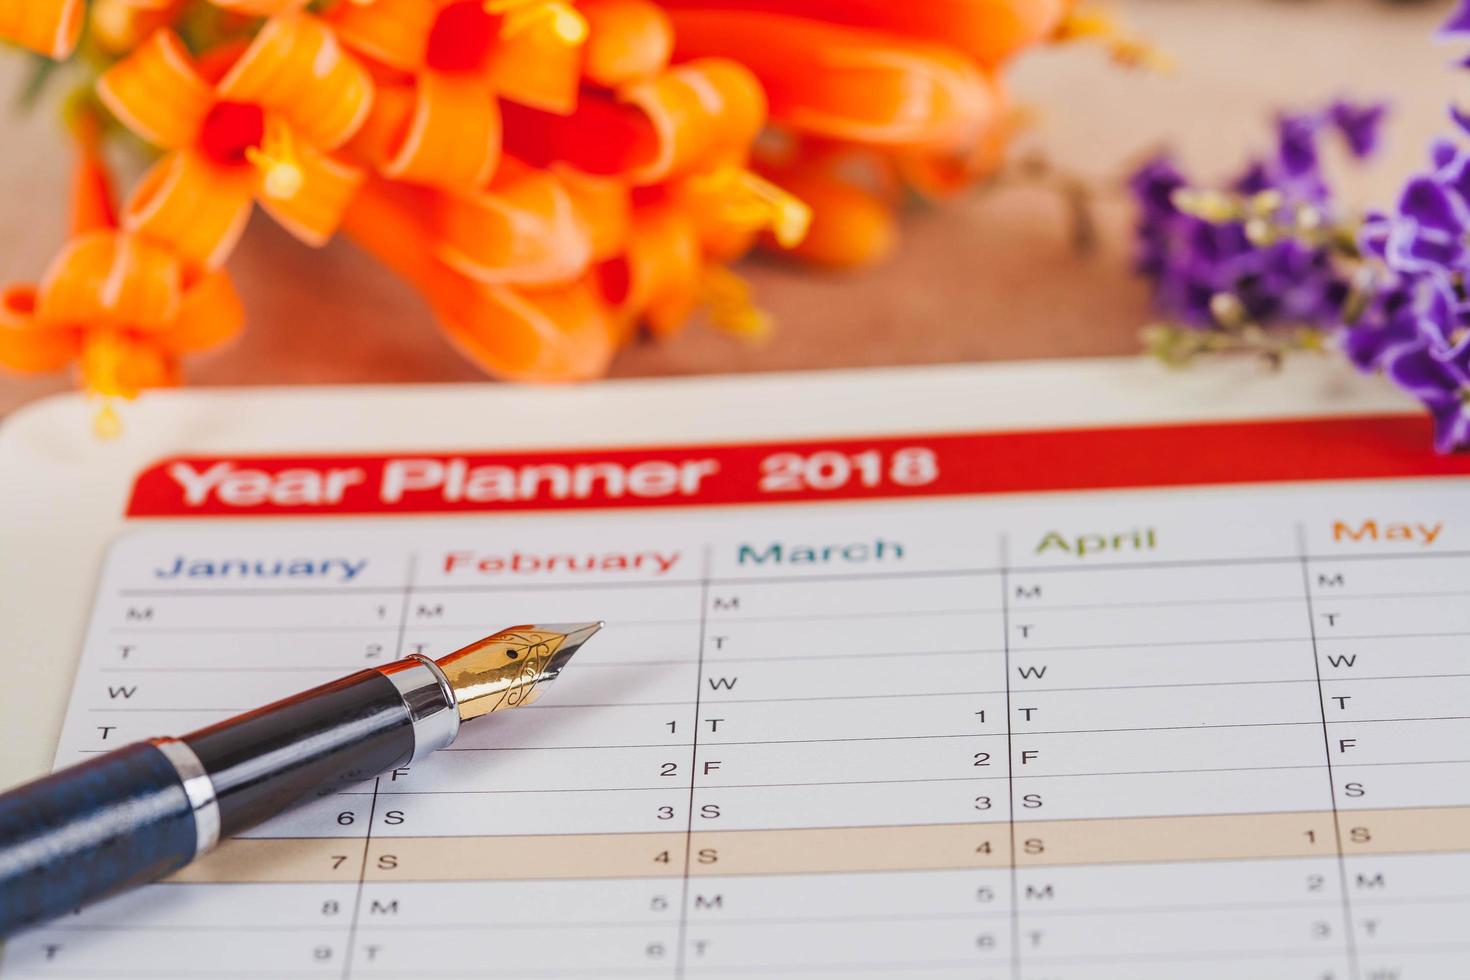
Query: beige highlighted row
[825, 850]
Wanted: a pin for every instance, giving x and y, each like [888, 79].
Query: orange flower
[49, 27]
[539, 332]
[616, 213]
[844, 83]
[853, 224]
[683, 140]
[257, 125]
[681, 237]
[447, 64]
[909, 90]
[119, 26]
[122, 308]
[694, 117]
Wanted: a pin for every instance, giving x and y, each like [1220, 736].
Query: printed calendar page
[1128, 702]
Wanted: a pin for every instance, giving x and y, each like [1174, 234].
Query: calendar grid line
[1103, 567]
[786, 920]
[1039, 689]
[1349, 939]
[681, 952]
[1243, 814]
[1015, 914]
[367, 839]
[811, 873]
[865, 614]
[663, 789]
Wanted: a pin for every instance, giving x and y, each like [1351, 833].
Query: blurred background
[996, 275]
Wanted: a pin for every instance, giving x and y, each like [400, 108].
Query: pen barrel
[111, 823]
[139, 813]
[315, 743]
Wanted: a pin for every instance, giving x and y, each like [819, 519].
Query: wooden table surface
[990, 276]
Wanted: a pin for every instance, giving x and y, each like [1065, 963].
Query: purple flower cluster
[1193, 260]
[1408, 319]
[1416, 327]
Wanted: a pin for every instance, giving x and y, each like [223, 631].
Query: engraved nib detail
[510, 668]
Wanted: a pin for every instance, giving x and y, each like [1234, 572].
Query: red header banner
[797, 471]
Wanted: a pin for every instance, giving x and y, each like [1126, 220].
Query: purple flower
[1458, 25]
[1296, 137]
[1298, 163]
[1360, 125]
[1153, 185]
[1442, 390]
[1192, 261]
[1426, 235]
[1454, 176]
[1373, 235]
[1439, 317]
[1460, 118]
[1389, 322]
[1442, 153]
[1399, 306]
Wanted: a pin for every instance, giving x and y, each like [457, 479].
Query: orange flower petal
[452, 139]
[313, 209]
[561, 333]
[296, 68]
[156, 92]
[845, 83]
[604, 207]
[91, 195]
[194, 207]
[49, 27]
[119, 26]
[390, 222]
[546, 334]
[28, 344]
[851, 226]
[525, 229]
[601, 137]
[705, 113]
[627, 40]
[210, 313]
[394, 32]
[104, 278]
[731, 205]
[259, 8]
[663, 263]
[692, 117]
[536, 68]
[383, 131]
[987, 30]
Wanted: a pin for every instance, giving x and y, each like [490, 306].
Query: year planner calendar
[1036, 672]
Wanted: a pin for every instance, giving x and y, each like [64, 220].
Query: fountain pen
[143, 811]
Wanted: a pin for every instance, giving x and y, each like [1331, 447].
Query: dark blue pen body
[146, 810]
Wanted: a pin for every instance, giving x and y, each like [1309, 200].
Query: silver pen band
[198, 787]
[430, 701]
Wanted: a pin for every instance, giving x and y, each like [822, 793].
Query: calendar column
[180, 641]
[1170, 783]
[849, 803]
[1392, 628]
[551, 837]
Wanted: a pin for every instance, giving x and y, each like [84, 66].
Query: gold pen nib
[509, 669]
